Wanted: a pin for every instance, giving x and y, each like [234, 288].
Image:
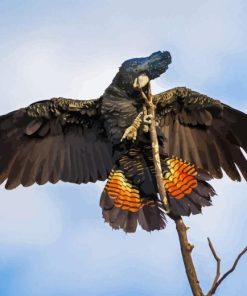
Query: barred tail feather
[186, 188]
[149, 218]
[127, 203]
[193, 202]
[123, 207]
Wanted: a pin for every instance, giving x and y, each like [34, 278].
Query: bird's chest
[118, 115]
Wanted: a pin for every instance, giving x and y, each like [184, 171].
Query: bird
[108, 139]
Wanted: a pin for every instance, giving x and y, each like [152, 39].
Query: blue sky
[53, 240]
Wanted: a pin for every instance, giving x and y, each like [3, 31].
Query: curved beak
[141, 81]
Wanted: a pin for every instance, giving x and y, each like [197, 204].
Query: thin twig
[147, 99]
[217, 276]
[217, 280]
[225, 275]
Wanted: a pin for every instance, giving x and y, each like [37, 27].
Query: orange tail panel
[124, 194]
[180, 179]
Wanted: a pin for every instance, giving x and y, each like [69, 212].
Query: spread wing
[58, 139]
[204, 131]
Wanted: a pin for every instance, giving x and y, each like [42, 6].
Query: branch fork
[218, 280]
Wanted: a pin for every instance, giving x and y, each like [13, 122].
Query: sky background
[53, 240]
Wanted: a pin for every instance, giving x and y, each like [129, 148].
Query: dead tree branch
[186, 247]
[217, 259]
[155, 146]
[217, 280]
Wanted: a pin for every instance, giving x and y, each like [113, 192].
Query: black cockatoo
[83, 141]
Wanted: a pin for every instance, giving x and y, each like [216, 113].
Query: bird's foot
[147, 119]
[130, 133]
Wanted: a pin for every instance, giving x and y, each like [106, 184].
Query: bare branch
[155, 146]
[218, 281]
[186, 249]
[217, 276]
[230, 270]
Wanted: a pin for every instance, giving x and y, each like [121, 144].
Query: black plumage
[80, 142]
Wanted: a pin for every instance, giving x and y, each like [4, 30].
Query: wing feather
[51, 141]
[203, 131]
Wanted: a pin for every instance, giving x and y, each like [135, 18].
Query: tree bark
[186, 249]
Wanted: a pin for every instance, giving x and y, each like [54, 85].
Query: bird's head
[149, 67]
